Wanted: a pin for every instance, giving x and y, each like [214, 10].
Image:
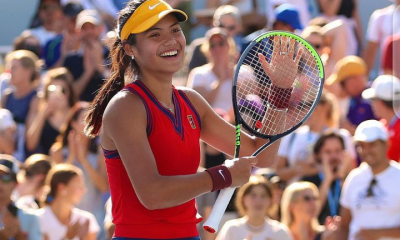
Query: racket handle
[212, 223]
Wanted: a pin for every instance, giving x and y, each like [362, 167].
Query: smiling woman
[150, 130]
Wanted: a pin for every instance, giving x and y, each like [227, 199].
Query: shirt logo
[220, 172]
[154, 6]
[191, 121]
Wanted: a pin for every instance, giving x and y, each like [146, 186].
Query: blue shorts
[124, 238]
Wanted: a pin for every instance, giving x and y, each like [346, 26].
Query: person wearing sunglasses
[370, 196]
[15, 223]
[300, 203]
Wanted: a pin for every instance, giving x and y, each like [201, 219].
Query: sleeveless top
[174, 141]
[19, 107]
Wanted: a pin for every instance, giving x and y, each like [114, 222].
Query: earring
[133, 57]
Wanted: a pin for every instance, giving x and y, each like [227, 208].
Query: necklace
[169, 108]
[256, 229]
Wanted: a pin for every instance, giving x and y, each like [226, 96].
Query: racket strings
[254, 87]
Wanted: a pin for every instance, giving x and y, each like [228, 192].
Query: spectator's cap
[8, 164]
[88, 16]
[384, 87]
[346, 67]
[370, 131]
[287, 13]
[72, 9]
[216, 31]
[147, 15]
[6, 119]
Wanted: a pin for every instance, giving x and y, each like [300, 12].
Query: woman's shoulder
[121, 102]
[277, 226]
[235, 223]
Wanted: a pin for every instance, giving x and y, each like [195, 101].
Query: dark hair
[115, 82]
[21, 43]
[62, 139]
[60, 174]
[328, 135]
[37, 164]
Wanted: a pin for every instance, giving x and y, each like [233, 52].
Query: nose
[170, 40]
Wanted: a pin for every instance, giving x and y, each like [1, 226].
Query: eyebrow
[154, 28]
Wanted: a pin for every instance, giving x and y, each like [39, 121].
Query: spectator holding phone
[15, 223]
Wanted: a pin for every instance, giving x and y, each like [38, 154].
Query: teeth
[171, 53]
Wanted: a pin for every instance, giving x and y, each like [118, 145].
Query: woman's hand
[240, 169]
[331, 228]
[282, 69]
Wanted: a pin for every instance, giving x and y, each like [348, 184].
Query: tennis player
[150, 130]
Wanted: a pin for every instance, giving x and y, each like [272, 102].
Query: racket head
[251, 83]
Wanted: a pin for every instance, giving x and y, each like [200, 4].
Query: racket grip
[212, 223]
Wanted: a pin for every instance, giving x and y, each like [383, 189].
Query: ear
[130, 50]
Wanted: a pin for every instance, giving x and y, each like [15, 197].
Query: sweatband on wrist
[221, 177]
[279, 97]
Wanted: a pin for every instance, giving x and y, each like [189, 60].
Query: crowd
[334, 177]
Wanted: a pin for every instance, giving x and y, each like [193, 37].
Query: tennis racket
[279, 59]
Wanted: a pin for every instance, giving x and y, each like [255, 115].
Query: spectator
[59, 219]
[380, 27]
[350, 77]
[299, 209]
[50, 113]
[7, 132]
[30, 188]
[331, 161]
[74, 147]
[87, 64]
[20, 99]
[227, 17]
[49, 24]
[295, 158]
[16, 223]
[385, 99]
[370, 196]
[253, 201]
[391, 55]
[346, 11]
[56, 49]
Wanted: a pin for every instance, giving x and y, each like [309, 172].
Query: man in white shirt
[370, 196]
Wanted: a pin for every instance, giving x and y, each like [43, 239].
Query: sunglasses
[307, 198]
[6, 178]
[217, 44]
[228, 27]
[370, 192]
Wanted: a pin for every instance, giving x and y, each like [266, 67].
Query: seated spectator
[331, 162]
[299, 210]
[50, 113]
[29, 42]
[370, 196]
[295, 155]
[253, 201]
[30, 188]
[74, 147]
[20, 99]
[16, 223]
[7, 132]
[350, 76]
[49, 21]
[385, 100]
[59, 219]
[56, 49]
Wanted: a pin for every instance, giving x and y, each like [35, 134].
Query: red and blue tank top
[174, 141]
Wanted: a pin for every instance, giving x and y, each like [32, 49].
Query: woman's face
[305, 205]
[58, 93]
[219, 48]
[19, 74]
[75, 189]
[230, 24]
[77, 124]
[161, 48]
[317, 42]
[257, 201]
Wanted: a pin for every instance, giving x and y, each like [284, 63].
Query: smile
[169, 53]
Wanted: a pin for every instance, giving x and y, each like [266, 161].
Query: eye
[155, 35]
[176, 30]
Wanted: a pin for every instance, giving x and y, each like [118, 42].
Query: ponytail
[115, 83]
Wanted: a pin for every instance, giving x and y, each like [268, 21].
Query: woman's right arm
[34, 124]
[124, 128]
